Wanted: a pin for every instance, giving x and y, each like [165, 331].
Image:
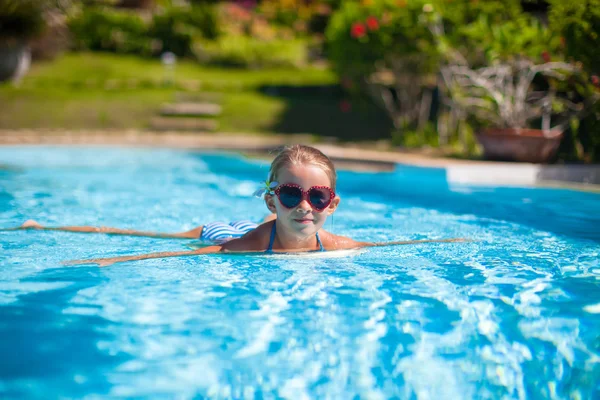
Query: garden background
[411, 74]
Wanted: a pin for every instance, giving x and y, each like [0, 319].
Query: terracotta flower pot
[524, 145]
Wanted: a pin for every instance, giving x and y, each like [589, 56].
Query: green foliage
[458, 15]
[411, 138]
[21, 19]
[172, 29]
[247, 52]
[520, 37]
[578, 22]
[175, 36]
[582, 139]
[112, 30]
[176, 28]
[486, 32]
[589, 135]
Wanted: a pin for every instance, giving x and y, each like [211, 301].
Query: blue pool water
[515, 314]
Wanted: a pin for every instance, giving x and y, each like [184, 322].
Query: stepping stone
[183, 124]
[191, 109]
[198, 97]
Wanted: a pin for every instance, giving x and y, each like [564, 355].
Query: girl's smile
[304, 221]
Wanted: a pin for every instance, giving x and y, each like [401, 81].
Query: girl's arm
[103, 262]
[31, 224]
[342, 243]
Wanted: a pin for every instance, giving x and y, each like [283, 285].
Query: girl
[300, 192]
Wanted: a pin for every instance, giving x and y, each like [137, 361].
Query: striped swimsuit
[219, 232]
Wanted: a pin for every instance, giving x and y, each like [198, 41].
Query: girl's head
[302, 155]
[306, 175]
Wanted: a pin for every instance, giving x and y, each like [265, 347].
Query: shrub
[104, 29]
[467, 24]
[578, 22]
[171, 29]
[175, 28]
[361, 38]
[483, 43]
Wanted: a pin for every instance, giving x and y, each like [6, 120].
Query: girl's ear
[270, 202]
[334, 204]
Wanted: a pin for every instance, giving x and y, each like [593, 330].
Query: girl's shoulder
[331, 241]
[255, 240]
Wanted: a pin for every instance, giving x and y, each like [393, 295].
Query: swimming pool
[515, 314]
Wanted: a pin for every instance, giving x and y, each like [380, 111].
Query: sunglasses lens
[319, 198]
[290, 196]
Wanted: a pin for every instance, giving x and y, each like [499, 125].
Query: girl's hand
[101, 262]
[31, 224]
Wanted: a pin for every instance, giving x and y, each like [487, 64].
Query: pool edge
[467, 172]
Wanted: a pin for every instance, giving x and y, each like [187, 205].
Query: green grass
[60, 108]
[93, 69]
[105, 91]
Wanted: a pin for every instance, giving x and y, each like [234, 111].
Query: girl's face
[302, 219]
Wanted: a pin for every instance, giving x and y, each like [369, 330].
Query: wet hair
[302, 155]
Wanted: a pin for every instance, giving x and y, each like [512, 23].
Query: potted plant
[20, 21]
[502, 99]
[520, 105]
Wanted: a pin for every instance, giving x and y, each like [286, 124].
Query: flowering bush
[362, 37]
[385, 48]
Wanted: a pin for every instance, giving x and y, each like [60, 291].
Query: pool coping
[346, 156]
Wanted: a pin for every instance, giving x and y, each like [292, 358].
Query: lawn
[104, 91]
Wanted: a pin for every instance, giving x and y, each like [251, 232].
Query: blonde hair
[302, 155]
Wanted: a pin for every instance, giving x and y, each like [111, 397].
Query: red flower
[345, 106]
[372, 23]
[546, 56]
[596, 80]
[358, 30]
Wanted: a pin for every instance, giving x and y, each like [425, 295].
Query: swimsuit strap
[319, 241]
[272, 240]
